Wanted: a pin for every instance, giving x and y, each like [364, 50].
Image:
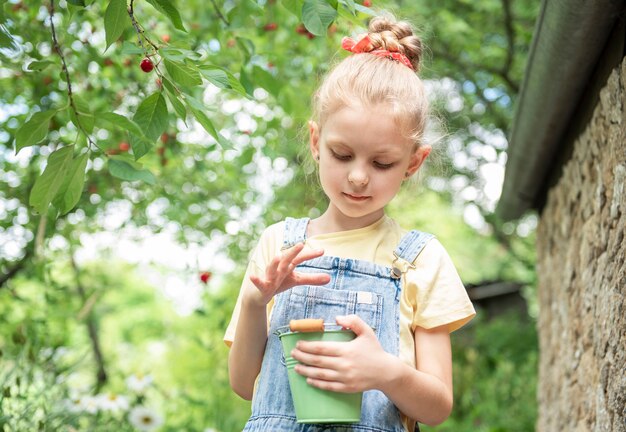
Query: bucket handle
[307, 325]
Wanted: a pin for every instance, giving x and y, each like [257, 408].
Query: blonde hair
[373, 80]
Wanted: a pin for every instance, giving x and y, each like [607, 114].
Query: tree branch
[92, 329]
[140, 31]
[219, 13]
[57, 49]
[510, 34]
[466, 65]
[16, 267]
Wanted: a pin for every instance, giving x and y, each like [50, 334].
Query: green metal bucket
[314, 405]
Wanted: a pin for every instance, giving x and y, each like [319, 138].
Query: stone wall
[582, 278]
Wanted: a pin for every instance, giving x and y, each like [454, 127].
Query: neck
[333, 220]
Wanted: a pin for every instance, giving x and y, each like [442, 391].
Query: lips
[357, 198]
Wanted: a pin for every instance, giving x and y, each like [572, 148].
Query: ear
[417, 159]
[314, 139]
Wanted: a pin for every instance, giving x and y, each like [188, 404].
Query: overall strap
[410, 246]
[295, 232]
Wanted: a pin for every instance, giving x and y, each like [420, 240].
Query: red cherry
[270, 26]
[164, 137]
[310, 35]
[147, 65]
[165, 38]
[205, 277]
[160, 151]
[301, 29]
[124, 146]
[367, 3]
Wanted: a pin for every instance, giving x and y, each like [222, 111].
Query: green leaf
[247, 46]
[125, 171]
[115, 21]
[266, 80]
[198, 111]
[80, 3]
[85, 118]
[167, 8]
[2, 14]
[70, 191]
[118, 121]
[350, 5]
[178, 106]
[129, 48]
[178, 54]
[222, 78]
[6, 39]
[34, 130]
[151, 116]
[48, 184]
[317, 15]
[39, 65]
[294, 6]
[168, 85]
[183, 74]
[246, 82]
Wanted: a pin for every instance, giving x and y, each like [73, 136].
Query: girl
[398, 291]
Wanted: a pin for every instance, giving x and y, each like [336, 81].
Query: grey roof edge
[567, 42]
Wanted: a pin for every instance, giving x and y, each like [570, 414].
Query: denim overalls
[358, 287]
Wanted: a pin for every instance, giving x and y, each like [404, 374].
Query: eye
[383, 166]
[341, 157]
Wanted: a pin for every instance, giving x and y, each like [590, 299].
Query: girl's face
[363, 160]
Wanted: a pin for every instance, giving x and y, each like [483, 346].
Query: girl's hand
[280, 274]
[346, 367]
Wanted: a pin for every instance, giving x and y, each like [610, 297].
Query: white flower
[112, 402]
[138, 383]
[90, 404]
[210, 430]
[74, 404]
[145, 419]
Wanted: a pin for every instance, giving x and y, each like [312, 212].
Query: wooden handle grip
[307, 325]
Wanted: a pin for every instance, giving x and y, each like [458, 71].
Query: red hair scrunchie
[364, 45]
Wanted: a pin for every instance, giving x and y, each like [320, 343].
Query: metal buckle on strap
[399, 266]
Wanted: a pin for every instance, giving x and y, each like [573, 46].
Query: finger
[300, 278]
[319, 349]
[334, 386]
[307, 255]
[287, 257]
[354, 323]
[258, 282]
[319, 373]
[272, 268]
[291, 253]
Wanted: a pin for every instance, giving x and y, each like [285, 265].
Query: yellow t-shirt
[432, 292]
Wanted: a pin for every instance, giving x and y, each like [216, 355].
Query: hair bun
[396, 36]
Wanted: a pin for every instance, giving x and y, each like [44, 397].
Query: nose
[358, 176]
